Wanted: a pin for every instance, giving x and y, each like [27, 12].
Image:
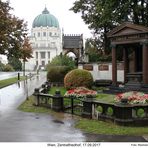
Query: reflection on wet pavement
[7, 75]
[13, 95]
[17, 126]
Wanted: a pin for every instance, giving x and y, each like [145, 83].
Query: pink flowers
[80, 92]
[133, 97]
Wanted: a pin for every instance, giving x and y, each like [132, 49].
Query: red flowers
[133, 97]
[80, 92]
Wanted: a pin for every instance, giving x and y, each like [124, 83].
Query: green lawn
[28, 106]
[7, 82]
[105, 98]
[53, 90]
[100, 127]
[100, 97]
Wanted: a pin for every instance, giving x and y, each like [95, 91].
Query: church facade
[45, 40]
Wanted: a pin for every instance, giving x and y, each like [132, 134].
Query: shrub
[8, 67]
[78, 78]
[57, 73]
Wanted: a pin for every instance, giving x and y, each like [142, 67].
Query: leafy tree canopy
[15, 63]
[94, 52]
[62, 60]
[12, 31]
[26, 50]
[104, 15]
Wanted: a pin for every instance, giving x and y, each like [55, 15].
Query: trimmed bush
[78, 78]
[57, 73]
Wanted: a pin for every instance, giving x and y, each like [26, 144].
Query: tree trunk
[23, 68]
[146, 16]
[106, 42]
[142, 12]
[135, 14]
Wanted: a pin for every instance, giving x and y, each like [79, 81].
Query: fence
[56, 102]
[122, 113]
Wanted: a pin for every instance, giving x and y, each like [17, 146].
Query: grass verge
[27, 106]
[107, 128]
[10, 81]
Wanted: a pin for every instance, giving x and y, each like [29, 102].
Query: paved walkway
[7, 75]
[17, 126]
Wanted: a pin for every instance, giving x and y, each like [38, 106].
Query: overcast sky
[68, 20]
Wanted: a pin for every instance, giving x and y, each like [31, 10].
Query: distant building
[73, 43]
[45, 40]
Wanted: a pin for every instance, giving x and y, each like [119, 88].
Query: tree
[15, 63]
[12, 31]
[94, 52]
[26, 52]
[104, 15]
[62, 60]
[98, 15]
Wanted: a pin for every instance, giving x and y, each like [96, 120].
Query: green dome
[45, 19]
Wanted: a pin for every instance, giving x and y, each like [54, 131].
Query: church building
[45, 40]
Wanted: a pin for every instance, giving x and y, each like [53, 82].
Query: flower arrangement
[133, 97]
[80, 92]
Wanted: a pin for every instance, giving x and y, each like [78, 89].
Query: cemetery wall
[103, 71]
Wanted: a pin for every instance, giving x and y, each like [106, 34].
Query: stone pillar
[87, 108]
[37, 98]
[125, 59]
[57, 101]
[135, 60]
[39, 59]
[145, 63]
[114, 65]
[123, 114]
[46, 57]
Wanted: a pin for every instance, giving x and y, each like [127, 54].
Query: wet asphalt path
[6, 75]
[17, 126]
[29, 127]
